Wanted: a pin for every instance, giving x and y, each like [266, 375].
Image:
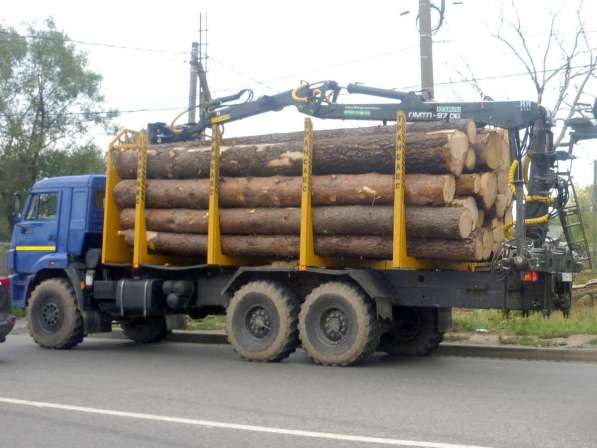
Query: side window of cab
[42, 207]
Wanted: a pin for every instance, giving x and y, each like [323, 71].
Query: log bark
[488, 190]
[468, 203]
[282, 191]
[488, 149]
[270, 246]
[468, 127]
[358, 153]
[468, 184]
[464, 250]
[427, 222]
[287, 246]
[470, 161]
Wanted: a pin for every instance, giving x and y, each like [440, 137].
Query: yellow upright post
[214, 237]
[114, 249]
[307, 256]
[141, 254]
[399, 253]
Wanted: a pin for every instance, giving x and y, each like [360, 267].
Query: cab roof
[87, 180]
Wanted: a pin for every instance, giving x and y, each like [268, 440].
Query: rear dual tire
[262, 320]
[338, 325]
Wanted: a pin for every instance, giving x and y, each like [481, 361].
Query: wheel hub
[335, 325]
[50, 315]
[259, 322]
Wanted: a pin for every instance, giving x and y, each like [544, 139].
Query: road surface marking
[235, 426]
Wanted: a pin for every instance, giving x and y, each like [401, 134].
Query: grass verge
[582, 320]
[207, 323]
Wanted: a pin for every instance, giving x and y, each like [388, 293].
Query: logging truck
[344, 242]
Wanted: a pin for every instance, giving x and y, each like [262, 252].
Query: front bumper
[7, 323]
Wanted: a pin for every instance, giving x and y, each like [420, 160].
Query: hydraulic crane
[529, 126]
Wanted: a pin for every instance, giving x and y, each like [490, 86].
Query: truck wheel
[414, 333]
[338, 325]
[262, 321]
[145, 330]
[53, 318]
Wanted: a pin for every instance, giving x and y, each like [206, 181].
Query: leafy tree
[49, 99]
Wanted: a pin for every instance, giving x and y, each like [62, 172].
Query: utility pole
[594, 217]
[426, 48]
[199, 72]
[204, 93]
[193, 81]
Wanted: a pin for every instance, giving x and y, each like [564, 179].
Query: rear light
[530, 277]
[5, 281]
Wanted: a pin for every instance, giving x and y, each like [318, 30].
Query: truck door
[35, 235]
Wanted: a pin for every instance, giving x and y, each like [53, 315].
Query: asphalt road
[111, 393]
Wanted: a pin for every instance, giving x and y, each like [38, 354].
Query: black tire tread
[150, 332]
[290, 303]
[366, 310]
[424, 345]
[77, 334]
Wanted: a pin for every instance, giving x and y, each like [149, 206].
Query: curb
[446, 349]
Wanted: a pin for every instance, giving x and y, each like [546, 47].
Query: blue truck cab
[61, 220]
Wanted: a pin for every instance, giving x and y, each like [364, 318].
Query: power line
[503, 76]
[239, 72]
[93, 44]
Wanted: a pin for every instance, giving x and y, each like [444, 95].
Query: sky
[142, 51]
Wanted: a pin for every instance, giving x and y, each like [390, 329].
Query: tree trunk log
[508, 218]
[436, 153]
[468, 203]
[480, 219]
[470, 161]
[465, 250]
[502, 181]
[270, 246]
[287, 246]
[506, 159]
[485, 235]
[488, 190]
[488, 149]
[502, 202]
[468, 184]
[427, 222]
[281, 191]
[468, 127]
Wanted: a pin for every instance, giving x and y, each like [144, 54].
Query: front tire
[262, 321]
[338, 325]
[53, 318]
[145, 330]
[414, 332]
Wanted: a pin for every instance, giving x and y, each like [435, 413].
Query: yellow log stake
[141, 255]
[307, 256]
[214, 237]
[114, 248]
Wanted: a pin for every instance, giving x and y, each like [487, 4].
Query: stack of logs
[456, 193]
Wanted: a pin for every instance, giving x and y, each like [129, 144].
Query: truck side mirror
[16, 207]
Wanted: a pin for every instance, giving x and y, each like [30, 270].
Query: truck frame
[76, 276]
